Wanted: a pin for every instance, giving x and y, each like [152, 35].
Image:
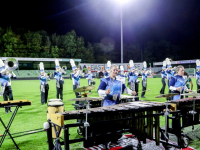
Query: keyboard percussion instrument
[140, 118]
[12, 103]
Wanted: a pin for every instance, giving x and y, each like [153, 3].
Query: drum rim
[57, 103]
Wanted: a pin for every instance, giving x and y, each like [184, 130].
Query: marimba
[140, 118]
[16, 104]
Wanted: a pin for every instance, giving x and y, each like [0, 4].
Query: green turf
[32, 117]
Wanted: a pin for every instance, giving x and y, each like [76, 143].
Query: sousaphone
[11, 64]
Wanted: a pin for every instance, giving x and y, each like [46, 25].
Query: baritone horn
[11, 64]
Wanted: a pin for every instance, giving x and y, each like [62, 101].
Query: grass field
[32, 117]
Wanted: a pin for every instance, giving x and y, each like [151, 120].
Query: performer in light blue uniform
[111, 88]
[178, 83]
[107, 72]
[6, 89]
[133, 82]
[44, 86]
[122, 76]
[89, 76]
[144, 82]
[59, 82]
[164, 78]
[170, 74]
[75, 78]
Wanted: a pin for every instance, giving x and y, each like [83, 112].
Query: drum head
[55, 104]
[55, 100]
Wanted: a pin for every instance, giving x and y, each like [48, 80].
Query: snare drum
[54, 107]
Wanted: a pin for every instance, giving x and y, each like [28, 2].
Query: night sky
[177, 21]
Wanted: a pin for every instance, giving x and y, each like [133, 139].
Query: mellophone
[141, 118]
[13, 103]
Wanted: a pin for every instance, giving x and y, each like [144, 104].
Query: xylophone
[140, 118]
[13, 103]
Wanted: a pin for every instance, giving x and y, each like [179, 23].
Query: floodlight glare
[122, 1]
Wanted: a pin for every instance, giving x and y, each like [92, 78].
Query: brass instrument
[11, 64]
[64, 67]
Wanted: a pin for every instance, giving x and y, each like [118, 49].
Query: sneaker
[143, 97]
[10, 110]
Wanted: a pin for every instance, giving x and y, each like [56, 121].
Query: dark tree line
[40, 44]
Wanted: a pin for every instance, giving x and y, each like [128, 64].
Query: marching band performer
[133, 75]
[164, 78]
[89, 76]
[59, 79]
[188, 81]
[111, 88]
[129, 69]
[122, 74]
[75, 78]
[107, 72]
[178, 84]
[144, 79]
[169, 72]
[6, 89]
[44, 86]
[198, 75]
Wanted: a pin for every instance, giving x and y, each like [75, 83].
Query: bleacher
[35, 73]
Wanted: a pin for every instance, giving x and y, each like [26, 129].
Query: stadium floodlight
[122, 2]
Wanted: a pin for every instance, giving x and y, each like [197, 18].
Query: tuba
[11, 64]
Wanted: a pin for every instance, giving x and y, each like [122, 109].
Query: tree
[33, 42]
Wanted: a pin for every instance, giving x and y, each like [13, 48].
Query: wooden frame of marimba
[144, 122]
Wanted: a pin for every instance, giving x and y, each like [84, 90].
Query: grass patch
[32, 117]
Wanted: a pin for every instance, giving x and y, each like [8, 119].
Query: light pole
[121, 16]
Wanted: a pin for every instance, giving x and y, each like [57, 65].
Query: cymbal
[166, 95]
[84, 88]
[191, 94]
[86, 99]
